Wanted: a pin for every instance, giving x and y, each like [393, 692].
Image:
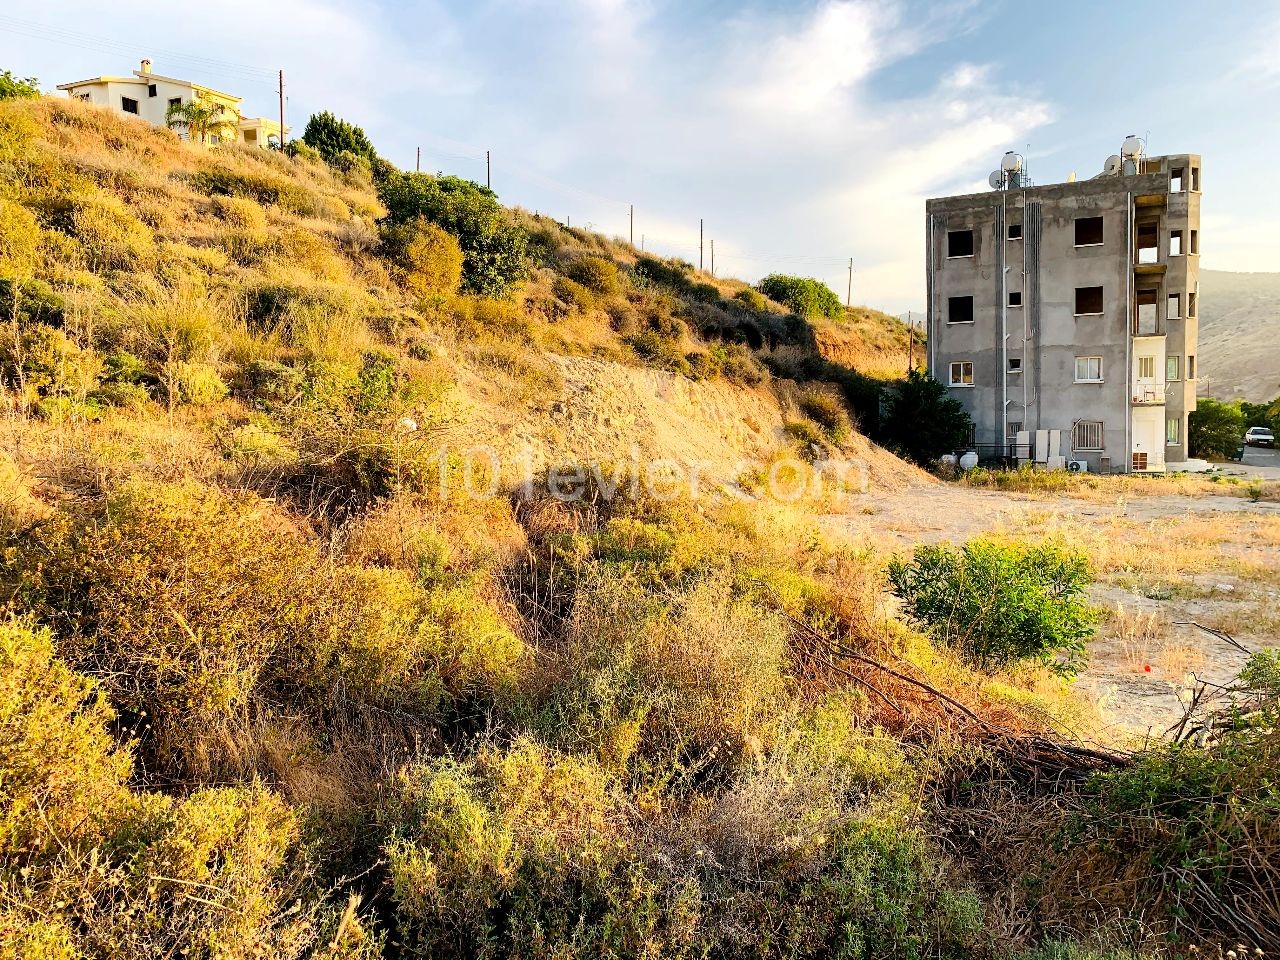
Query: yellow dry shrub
[240, 213]
[61, 774]
[110, 236]
[429, 258]
[19, 238]
[30, 935]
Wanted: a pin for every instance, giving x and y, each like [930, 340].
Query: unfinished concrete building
[1063, 317]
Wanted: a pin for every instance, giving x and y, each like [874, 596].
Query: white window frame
[1176, 424]
[1099, 378]
[1083, 431]
[952, 381]
[1173, 361]
[1144, 362]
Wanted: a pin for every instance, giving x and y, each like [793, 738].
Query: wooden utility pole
[848, 296]
[642, 243]
[911, 342]
[417, 164]
[699, 243]
[488, 171]
[713, 258]
[633, 224]
[281, 92]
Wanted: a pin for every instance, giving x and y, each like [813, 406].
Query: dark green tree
[18, 88]
[923, 421]
[332, 136]
[804, 295]
[495, 251]
[1215, 429]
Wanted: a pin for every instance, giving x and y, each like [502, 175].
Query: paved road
[1258, 462]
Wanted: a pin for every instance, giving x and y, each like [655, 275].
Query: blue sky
[804, 133]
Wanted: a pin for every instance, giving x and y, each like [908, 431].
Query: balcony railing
[1148, 395]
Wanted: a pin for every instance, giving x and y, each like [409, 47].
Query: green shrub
[573, 294]
[826, 409]
[804, 296]
[19, 238]
[1215, 429]
[668, 273]
[430, 259]
[110, 237]
[805, 433]
[752, 299]
[242, 213]
[260, 185]
[331, 138]
[999, 605]
[923, 421]
[597, 274]
[494, 250]
[705, 292]
[17, 88]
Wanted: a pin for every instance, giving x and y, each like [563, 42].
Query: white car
[1259, 437]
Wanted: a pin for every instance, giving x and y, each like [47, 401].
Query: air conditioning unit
[1078, 466]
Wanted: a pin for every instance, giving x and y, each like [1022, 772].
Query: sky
[803, 134]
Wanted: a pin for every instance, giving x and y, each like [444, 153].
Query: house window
[1191, 303]
[1087, 435]
[175, 101]
[1015, 231]
[960, 310]
[959, 243]
[1195, 179]
[1173, 367]
[1088, 300]
[128, 105]
[151, 90]
[1172, 430]
[962, 373]
[1088, 231]
[1015, 428]
[1194, 246]
[83, 96]
[1088, 369]
[1175, 179]
[1015, 298]
[1139, 461]
[1175, 306]
[214, 138]
[1175, 243]
[1191, 366]
[1146, 368]
[1015, 364]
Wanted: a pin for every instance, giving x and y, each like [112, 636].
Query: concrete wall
[1045, 332]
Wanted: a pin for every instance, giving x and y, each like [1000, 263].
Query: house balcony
[1148, 395]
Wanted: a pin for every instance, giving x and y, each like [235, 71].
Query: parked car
[1259, 437]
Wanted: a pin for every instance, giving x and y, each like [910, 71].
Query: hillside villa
[150, 96]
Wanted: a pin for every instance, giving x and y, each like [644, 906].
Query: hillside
[387, 574]
[1240, 335]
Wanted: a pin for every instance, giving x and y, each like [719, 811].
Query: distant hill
[1240, 334]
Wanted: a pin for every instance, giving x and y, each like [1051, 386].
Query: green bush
[705, 292]
[999, 605]
[572, 293]
[597, 274]
[18, 88]
[827, 410]
[802, 295]
[430, 259]
[331, 138]
[922, 421]
[675, 274]
[752, 299]
[19, 238]
[494, 250]
[1215, 429]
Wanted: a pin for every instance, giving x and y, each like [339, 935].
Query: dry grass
[1108, 488]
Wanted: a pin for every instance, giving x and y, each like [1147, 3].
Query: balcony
[1148, 394]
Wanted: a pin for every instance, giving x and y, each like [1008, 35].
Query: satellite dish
[996, 179]
[1113, 165]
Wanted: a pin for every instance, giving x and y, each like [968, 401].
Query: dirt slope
[1240, 335]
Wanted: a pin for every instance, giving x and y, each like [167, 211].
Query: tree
[18, 88]
[923, 420]
[429, 256]
[1215, 429]
[804, 295]
[333, 136]
[495, 252]
[202, 120]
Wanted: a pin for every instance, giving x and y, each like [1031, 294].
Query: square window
[1087, 435]
[1088, 300]
[1088, 231]
[962, 373]
[1015, 298]
[959, 243]
[129, 105]
[1088, 369]
[1172, 430]
[1175, 243]
[1015, 364]
[175, 101]
[1176, 176]
[1146, 368]
[1015, 428]
[960, 310]
[1195, 179]
[1175, 306]
[151, 90]
[1015, 231]
[1173, 367]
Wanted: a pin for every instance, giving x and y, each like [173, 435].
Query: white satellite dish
[996, 179]
[1113, 165]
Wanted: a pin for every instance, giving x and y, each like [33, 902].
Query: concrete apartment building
[149, 96]
[1064, 317]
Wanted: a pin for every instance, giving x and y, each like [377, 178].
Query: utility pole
[713, 258]
[911, 343]
[848, 297]
[417, 165]
[699, 243]
[488, 173]
[642, 243]
[633, 224]
[281, 92]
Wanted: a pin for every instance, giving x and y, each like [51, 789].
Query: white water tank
[968, 461]
[1012, 163]
[1132, 148]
